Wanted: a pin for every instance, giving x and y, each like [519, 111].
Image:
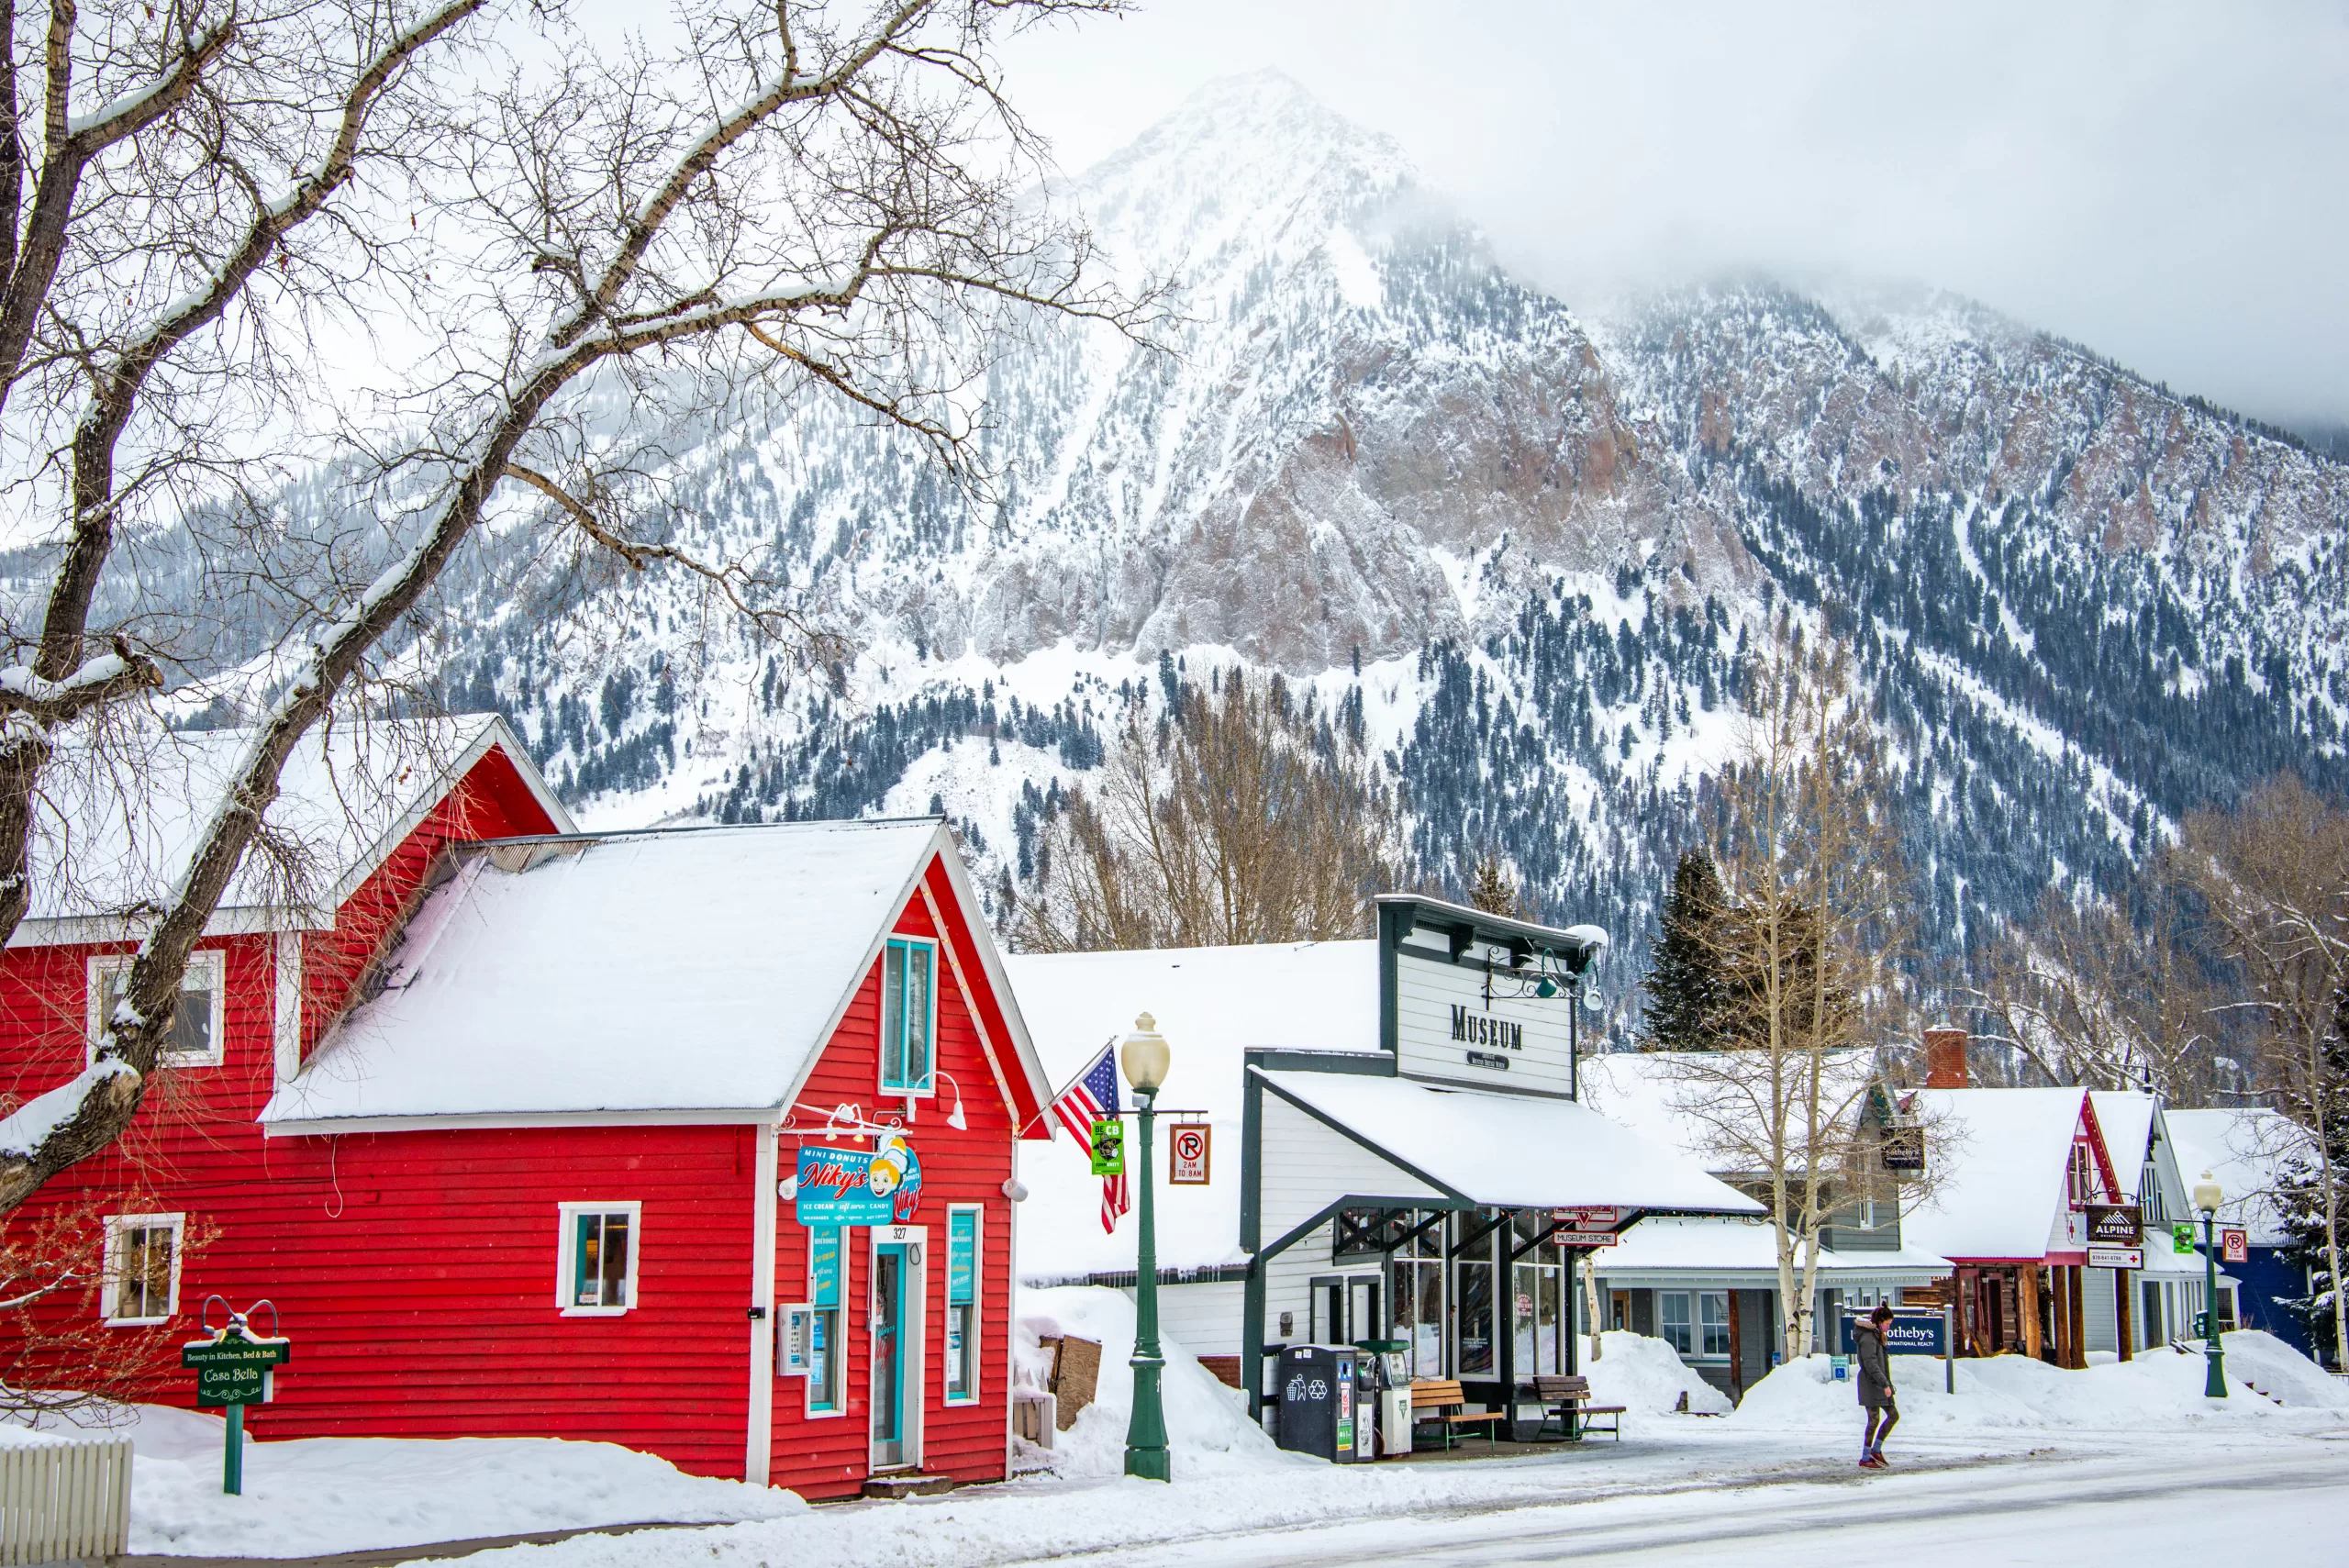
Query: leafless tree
[1807, 938]
[1245, 818]
[2087, 995]
[825, 201]
[2274, 875]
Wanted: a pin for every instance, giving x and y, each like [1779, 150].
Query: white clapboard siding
[64, 1499]
[1528, 1032]
[1306, 1165]
[1204, 1317]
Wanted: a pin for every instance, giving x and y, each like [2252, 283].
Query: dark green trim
[1348, 1133]
[1394, 925]
[1361, 1063]
[1252, 1166]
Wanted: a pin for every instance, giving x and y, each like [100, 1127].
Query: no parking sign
[1186, 1155]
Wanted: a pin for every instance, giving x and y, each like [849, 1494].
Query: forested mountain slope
[1522, 548]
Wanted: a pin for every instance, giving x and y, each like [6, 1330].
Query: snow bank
[2014, 1392]
[1644, 1374]
[311, 1496]
[1207, 1429]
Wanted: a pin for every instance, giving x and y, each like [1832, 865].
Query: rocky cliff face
[1526, 546]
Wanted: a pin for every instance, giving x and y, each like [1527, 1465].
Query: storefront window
[1416, 1292]
[1540, 1300]
[1477, 1355]
[825, 1258]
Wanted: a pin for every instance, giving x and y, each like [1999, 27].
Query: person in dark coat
[1875, 1386]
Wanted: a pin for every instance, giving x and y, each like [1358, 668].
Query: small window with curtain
[142, 1283]
[961, 1304]
[596, 1275]
[909, 1017]
[196, 1027]
[826, 1259]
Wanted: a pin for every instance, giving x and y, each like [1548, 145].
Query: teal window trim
[909, 1015]
[824, 1290]
[601, 1244]
[965, 1258]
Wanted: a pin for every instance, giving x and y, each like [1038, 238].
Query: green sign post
[232, 1368]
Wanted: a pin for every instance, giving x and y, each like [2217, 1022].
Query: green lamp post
[2206, 1197]
[1145, 1056]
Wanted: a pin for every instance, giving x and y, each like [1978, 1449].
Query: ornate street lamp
[2206, 1197]
[1145, 1056]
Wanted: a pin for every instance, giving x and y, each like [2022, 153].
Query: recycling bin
[1320, 1404]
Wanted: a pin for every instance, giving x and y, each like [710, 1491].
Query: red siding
[826, 1456]
[416, 1271]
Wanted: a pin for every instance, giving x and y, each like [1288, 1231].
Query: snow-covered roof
[1213, 1004]
[1656, 1092]
[2002, 1156]
[2125, 1116]
[2246, 1151]
[1510, 1150]
[1749, 1246]
[679, 972]
[122, 817]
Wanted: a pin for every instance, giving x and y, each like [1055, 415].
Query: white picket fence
[64, 1499]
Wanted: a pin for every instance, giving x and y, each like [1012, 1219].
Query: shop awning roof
[1509, 1150]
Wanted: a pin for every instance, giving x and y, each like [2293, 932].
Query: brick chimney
[1945, 1059]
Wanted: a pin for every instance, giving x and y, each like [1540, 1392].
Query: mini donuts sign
[855, 1186]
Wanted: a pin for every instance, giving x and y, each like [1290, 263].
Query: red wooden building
[508, 1125]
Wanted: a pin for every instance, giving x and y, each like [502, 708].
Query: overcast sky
[2169, 184]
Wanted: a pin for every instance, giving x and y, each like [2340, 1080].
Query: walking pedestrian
[1875, 1386]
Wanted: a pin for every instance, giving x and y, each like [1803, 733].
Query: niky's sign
[855, 1186]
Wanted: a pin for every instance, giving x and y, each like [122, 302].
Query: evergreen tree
[1492, 889]
[1688, 992]
[2301, 1197]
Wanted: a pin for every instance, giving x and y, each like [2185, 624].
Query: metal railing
[66, 1498]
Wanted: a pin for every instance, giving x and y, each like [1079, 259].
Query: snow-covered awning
[1508, 1150]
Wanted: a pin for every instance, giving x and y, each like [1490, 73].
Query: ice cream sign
[857, 1186]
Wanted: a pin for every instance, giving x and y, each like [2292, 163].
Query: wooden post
[1736, 1351]
[2027, 1308]
[2077, 1289]
[2124, 1325]
[2068, 1333]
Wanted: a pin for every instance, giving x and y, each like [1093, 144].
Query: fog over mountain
[1524, 549]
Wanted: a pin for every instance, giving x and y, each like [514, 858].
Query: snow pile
[2015, 1392]
[2281, 1372]
[311, 1496]
[1644, 1374]
[1208, 1431]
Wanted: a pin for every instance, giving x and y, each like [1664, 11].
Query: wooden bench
[1440, 1399]
[1566, 1401]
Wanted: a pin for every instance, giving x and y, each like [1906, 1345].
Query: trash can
[1319, 1404]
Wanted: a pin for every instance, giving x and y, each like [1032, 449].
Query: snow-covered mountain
[1525, 546]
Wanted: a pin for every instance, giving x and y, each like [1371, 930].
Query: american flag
[1091, 1097]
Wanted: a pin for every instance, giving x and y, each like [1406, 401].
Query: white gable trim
[333, 1126]
[958, 877]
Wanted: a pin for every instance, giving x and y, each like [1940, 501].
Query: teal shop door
[888, 1356]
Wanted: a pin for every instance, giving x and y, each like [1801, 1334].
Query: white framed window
[1671, 1320]
[964, 1261]
[909, 1017]
[142, 1284]
[196, 1035]
[1712, 1315]
[595, 1258]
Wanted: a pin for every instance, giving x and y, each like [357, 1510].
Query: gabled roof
[2125, 1116]
[122, 818]
[2247, 1150]
[2000, 1157]
[685, 974]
